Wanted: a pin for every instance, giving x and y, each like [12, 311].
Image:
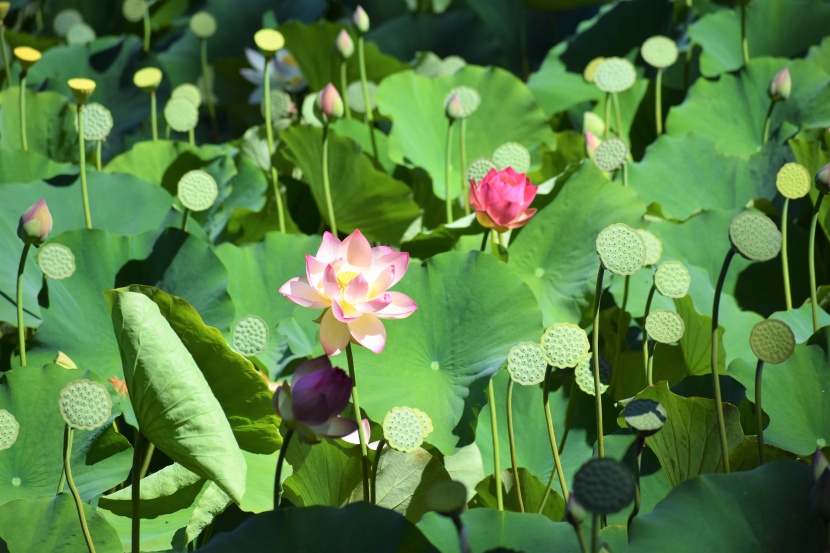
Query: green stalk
[67, 453]
[209, 87]
[148, 456]
[463, 540]
[364, 453]
[650, 369]
[191, 137]
[364, 83]
[82, 147]
[759, 414]
[280, 463]
[135, 534]
[568, 415]
[344, 87]
[583, 547]
[146, 30]
[784, 257]
[491, 395]
[269, 135]
[448, 200]
[658, 92]
[184, 219]
[595, 353]
[21, 328]
[641, 443]
[98, 155]
[375, 468]
[617, 114]
[153, 117]
[744, 45]
[557, 461]
[812, 263]
[511, 437]
[645, 335]
[625, 173]
[765, 136]
[595, 534]
[326, 185]
[6, 64]
[23, 140]
[465, 185]
[714, 361]
[607, 119]
[620, 332]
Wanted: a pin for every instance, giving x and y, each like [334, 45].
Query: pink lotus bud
[591, 143]
[781, 85]
[330, 103]
[454, 109]
[819, 464]
[823, 179]
[502, 199]
[344, 44]
[34, 225]
[361, 19]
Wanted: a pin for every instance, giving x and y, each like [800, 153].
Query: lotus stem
[812, 262]
[595, 354]
[625, 173]
[658, 101]
[448, 200]
[147, 30]
[326, 186]
[21, 327]
[615, 97]
[136, 495]
[209, 89]
[148, 456]
[645, 335]
[491, 394]
[153, 116]
[784, 256]
[638, 460]
[67, 453]
[344, 87]
[557, 461]
[595, 534]
[650, 367]
[269, 135]
[744, 44]
[464, 184]
[620, 332]
[364, 454]
[364, 83]
[98, 155]
[185, 216]
[568, 415]
[583, 547]
[484, 239]
[280, 463]
[714, 361]
[607, 119]
[375, 468]
[463, 538]
[82, 148]
[511, 437]
[6, 64]
[23, 140]
[759, 413]
[765, 136]
[191, 137]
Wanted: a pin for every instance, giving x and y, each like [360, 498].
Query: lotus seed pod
[354, 95]
[591, 69]
[65, 20]
[823, 179]
[564, 345]
[584, 375]
[615, 75]
[645, 416]
[593, 123]
[621, 250]
[448, 498]
[189, 92]
[526, 364]
[659, 51]
[197, 190]
[403, 430]
[64, 361]
[9, 429]
[361, 19]
[80, 34]
[85, 404]
[97, 121]
[610, 154]
[755, 236]
[512, 154]
[181, 115]
[672, 279]
[781, 85]
[604, 486]
[203, 25]
[665, 326]
[793, 181]
[27, 56]
[4, 10]
[772, 341]
[250, 335]
[82, 89]
[134, 10]
[468, 98]
[654, 247]
[56, 261]
[330, 103]
[344, 44]
[269, 41]
[479, 168]
[426, 422]
[147, 79]
[281, 105]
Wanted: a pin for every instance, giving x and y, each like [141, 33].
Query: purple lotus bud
[823, 179]
[34, 225]
[344, 44]
[454, 108]
[820, 496]
[361, 19]
[781, 85]
[320, 395]
[330, 103]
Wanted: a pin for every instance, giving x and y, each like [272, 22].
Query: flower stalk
[511, 437]
[67, 453]
[364, 453]
[280, 463]
[714, 360]
[595, 354]
[811, 257]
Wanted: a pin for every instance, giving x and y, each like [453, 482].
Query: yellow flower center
[345, 278]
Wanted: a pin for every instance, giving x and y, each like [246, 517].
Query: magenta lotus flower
[350, 279]
[312, 403]
[36, 224]
[502, 199]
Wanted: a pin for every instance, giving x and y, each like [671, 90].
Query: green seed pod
[590, 70]
[85, 404]
[181, 115]
[479, 168]
[448, 498]
[659, 51]
[564, 345]
[80, 33]
[665, 326]
[772, 341]
[403, 429]
[203, 24]
[56, 261]
[672, 279]
[9, 429]
[98, 121]
[134, 10]
[604, 486]
[621, 249]
[512, 154]
[189, 92]
[615, 75]
[645, 416]
[654, 247]
[526, 364]
[584, 375]
[793, 181]
[65, 20]
[250, 335]
[611, 154]
[755, 236]
[197, 190]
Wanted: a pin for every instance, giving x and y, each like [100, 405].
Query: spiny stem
[638, 460]
[491, 394]
[364, 453]
[658, 92]
[512, 440]
[366, 101]
[448, 200]
[714, 361]
[326, 185]
[280, 463]
[75, 495]
[21, 327]
[344, 87]
[650, 369]
[82, 148]
[269, 135]
[620, 331]
[759, 414]
[784, 256]
[812, 262]
[595, 353]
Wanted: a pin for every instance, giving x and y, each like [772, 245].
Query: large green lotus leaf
[358, 527]
[488, 528]
[689, 442]
[179, 264]
[799, 416]
[20, 166]
[404, 480]
[471, 310]
[562, 272]
[327, 474]
[533, 490]
[32, 467]
[51, 524]
[259, 489]
[508, 112]
[363, 197]
[321, 66]
[255, 274]
[773, 28]
[767, 509]
[814, 155]
[239, 388]
[731, 111]
[50, 129]
[173, 403]
[800, 320]
[820, 54]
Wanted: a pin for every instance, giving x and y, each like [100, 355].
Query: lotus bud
[4, 10]
[344, 44]
[591, 143]
[34, 225]
[330, 103]
[64, 361]
[823, 179]
[454, 109]
[361, 19]
[781, 85]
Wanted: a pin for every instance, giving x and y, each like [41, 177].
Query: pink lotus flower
[502, 199]
[350, 279]
[36, 224]
[312, 403]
